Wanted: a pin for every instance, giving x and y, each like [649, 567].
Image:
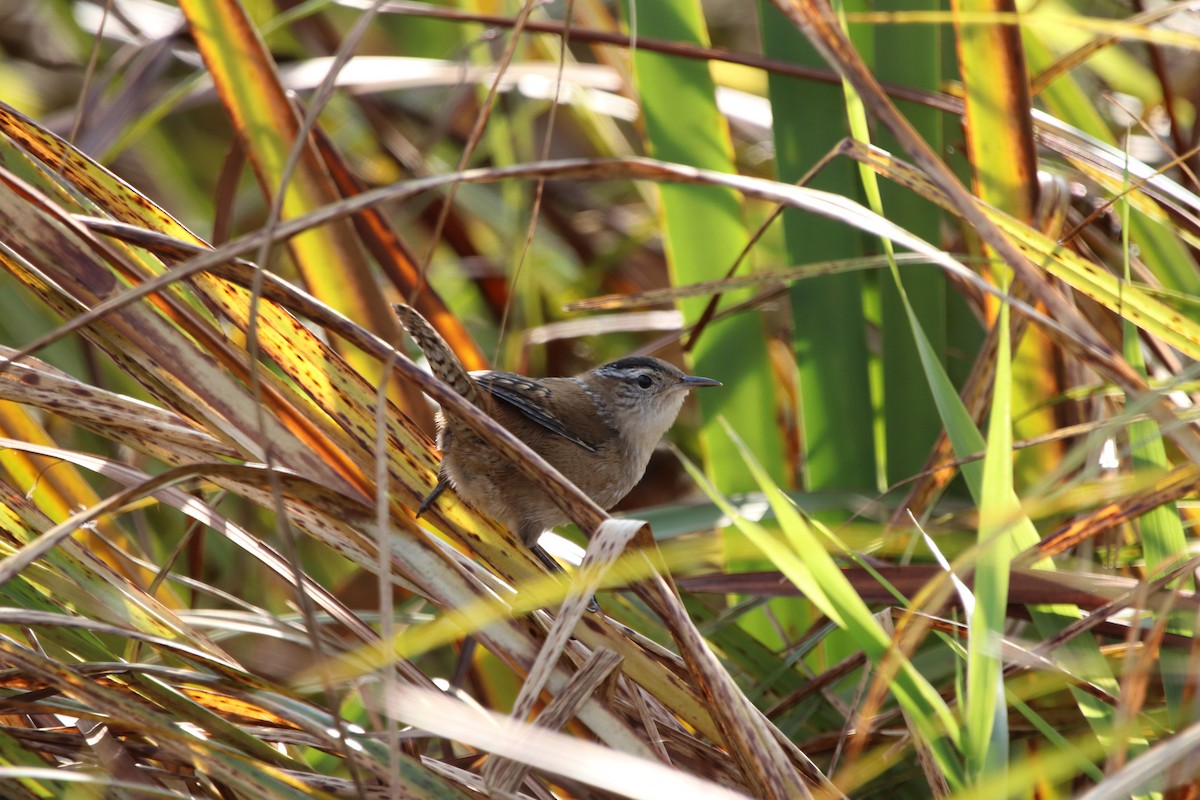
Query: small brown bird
[598, 429]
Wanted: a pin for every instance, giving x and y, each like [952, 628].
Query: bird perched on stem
[598, 429]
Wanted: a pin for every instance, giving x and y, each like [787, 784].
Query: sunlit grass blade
[803, 559]
[330, 258]
[1082, 651]
[1059, 261]
[986, 713]
[1162, 536]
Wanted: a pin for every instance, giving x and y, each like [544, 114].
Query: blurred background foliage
[942, 255]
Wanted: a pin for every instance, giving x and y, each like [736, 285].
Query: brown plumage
[598, 429]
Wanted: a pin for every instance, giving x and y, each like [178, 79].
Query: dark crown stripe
[632, 363]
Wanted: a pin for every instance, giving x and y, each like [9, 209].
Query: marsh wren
[598, 429]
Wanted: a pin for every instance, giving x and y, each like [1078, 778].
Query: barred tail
[442, 361]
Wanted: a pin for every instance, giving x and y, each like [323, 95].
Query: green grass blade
[703, 234]
[910, 55]
[804, 560]
[986, 714]
[827, 313]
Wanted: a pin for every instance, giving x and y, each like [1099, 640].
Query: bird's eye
[645, 381]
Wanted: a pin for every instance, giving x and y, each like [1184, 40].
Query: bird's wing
[528, 397]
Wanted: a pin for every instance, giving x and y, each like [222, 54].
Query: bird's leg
[557, 569]
[432, 497]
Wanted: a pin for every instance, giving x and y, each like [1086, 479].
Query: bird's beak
[696, 382]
